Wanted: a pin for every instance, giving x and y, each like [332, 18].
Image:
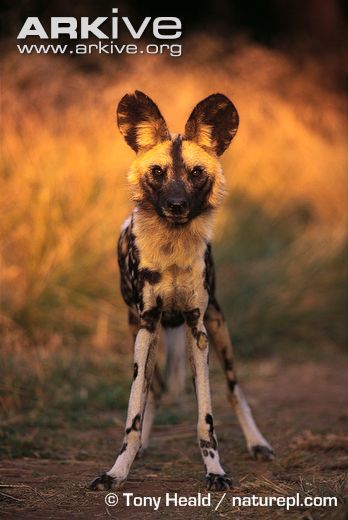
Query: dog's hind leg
[174, 340]
[153, 400]
[220, 339]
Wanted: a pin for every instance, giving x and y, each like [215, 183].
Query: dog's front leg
[197, 341]
[144, 362]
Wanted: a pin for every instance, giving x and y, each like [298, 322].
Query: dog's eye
[157, 171]
[196, 171]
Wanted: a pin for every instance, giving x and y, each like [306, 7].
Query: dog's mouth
[176, 219]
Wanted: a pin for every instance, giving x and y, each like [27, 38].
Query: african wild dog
[167, 272]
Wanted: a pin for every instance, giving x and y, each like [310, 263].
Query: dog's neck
[162, 245]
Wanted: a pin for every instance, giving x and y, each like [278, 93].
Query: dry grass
[55, 387]
[311, 441]
[64, 193]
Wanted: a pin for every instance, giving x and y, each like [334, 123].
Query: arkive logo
[102, 28]
[163, 27]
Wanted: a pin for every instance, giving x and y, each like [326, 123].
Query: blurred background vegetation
[280, 237]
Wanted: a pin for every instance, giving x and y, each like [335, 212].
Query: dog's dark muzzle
[177, 206]
[176, 210]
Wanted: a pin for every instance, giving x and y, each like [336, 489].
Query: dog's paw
[102, 483]
[218, 482]
[262, 452]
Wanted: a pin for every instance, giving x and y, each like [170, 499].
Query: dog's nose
[177, 206]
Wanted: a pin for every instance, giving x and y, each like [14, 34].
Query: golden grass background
[280, 242]
[279, 238]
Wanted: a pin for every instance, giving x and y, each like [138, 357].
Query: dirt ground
[302, 409]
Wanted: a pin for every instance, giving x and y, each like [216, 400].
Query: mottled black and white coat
[167, 274]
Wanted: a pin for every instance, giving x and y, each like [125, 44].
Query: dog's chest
[180, 288]
[181, 271]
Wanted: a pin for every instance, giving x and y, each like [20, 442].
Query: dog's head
[180, 177]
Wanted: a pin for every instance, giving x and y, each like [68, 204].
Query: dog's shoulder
[209, 273]
[128, 261]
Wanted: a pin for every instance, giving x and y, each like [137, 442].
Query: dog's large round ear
[213, 123]
[140, 121]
